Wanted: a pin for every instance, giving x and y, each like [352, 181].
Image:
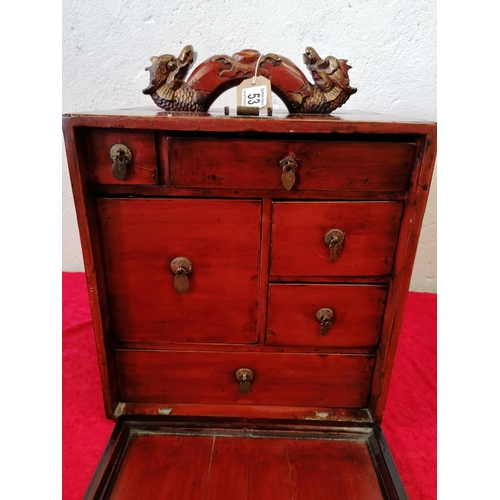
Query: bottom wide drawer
[176, 377]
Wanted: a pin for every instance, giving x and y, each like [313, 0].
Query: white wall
[391, 45]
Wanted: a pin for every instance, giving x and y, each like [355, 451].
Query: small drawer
[325, 315]
[139, 154]
[366, 236]
[320, 165]
[334, 380]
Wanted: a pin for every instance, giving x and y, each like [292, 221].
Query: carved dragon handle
[170, 90]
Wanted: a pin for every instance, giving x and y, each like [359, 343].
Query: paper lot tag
[258, 95]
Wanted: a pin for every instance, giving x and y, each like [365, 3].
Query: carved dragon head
[168, 69]
[327, 73]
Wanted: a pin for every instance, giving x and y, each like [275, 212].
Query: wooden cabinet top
[280, 122]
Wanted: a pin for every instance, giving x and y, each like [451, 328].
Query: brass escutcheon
[244, 376]
[181, 268]
[288, 165]
[325, 316]
[122, 158]
[334, 239]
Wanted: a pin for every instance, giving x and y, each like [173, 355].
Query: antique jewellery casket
[246, 319]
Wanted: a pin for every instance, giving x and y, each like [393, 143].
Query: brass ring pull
[334, 239]
[288, 165]
[244, 376]
[325, 317]
[181, 268]
[122, 157]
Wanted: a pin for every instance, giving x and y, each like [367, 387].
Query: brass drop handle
[181, 268]
[325, 317]
[288, 165]
[334, 239]
[122, 158]
[244, 376]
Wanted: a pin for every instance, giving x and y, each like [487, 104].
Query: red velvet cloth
[409, 422]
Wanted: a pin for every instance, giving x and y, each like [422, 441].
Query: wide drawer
[325, 315]
[221, 239]
[370, 232]
[142, 168]
[322, 165]
[166, 377]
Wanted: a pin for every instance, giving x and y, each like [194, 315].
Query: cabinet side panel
[92, 257]
[405, 256]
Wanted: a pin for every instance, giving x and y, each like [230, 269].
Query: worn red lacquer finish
[247, 280]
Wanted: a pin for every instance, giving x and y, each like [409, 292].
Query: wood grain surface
[322, 165]
[332, 380]
[219, 468]
[143, 168]
[292, 312]
[221, 239]
[371, 234]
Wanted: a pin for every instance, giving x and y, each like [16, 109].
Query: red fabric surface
[409, 422]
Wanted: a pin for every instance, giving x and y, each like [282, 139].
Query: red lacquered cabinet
[246, 332]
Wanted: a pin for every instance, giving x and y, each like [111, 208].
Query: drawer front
[322, 165]
[325, 315]
[210, 378]
[222, 241]
[370, 232]
[142, 168]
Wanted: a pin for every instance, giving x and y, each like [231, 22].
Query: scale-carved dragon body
[331, 86]
[167, 87]
[170, 90]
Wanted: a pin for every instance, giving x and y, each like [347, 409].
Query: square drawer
[221, 239]
[142, 168]
[321, 165]
[355, 313]
[370, 232]
[333, 380]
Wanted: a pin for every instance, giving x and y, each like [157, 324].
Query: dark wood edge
[92, 257]
[263, 347]
[385, 467]
[413, 215]
[110, 461]
[162, 159]
[151, 190]
[344, 416]
[238, 423]
[264, 264]
[279, 124]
